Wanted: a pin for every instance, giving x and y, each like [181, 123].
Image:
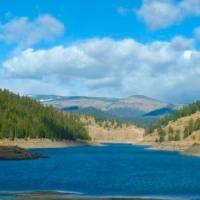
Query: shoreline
[184, 148]
[57, 195]
[45, 143]
[180, 147]
[17, 153]
[167, 146]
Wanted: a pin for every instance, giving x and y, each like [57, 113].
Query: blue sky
[101, 48]
[95, 18]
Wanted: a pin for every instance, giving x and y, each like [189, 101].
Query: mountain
[160, 112]
[135, 108]
[23, 117]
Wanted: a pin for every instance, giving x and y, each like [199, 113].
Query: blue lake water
[111, 170]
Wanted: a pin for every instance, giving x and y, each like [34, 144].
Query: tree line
[23, 117]
[106, 123]
[169, 135]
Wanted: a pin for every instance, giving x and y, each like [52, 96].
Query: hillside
[23, 117]
[182, 126]
[102, 130]
[136, 108]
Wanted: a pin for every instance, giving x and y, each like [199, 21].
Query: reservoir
[109, 170]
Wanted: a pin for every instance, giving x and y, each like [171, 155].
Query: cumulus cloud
[163, 13]
[105, 67]
[25, 33]
[33, 86]
[190, 7]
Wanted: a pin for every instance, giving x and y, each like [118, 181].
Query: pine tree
[22, 117]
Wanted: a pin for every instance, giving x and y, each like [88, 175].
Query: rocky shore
[193, 150]
[17, 153]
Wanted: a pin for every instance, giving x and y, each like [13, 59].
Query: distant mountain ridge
[131, 108]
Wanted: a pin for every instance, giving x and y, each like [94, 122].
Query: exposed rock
[16, 153]
[193, 150]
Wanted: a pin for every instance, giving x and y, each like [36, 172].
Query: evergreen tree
[177, 136]
[185, 111]
[22, 117]
[161, 134]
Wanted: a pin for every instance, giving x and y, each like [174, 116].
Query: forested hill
[183, 124]
[183, 112]
[22, 117]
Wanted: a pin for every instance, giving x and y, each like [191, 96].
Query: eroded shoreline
[43, 143]
[186, 148]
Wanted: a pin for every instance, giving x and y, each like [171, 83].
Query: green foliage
[192, 126]
[161, 138]
[110, 123]
[170, 137]
[186, 132]
[173, 136]
[170, 130]
[170, 134]
[177, 136]
[22, 117]
[162, 134]
[196, 125]
[185, 111]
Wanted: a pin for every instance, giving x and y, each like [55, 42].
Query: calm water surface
[111, 170]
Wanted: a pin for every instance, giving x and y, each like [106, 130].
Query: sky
[111, 48]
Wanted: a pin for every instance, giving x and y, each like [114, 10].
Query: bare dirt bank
[184, 147]
[193, 150]
[42, 143]
[108, 132]
[168, 146]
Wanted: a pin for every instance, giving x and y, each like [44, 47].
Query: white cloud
[163, 13]
[187, 55]
[190, 7]
[32, 86]
[107, 67]
[25, 33]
